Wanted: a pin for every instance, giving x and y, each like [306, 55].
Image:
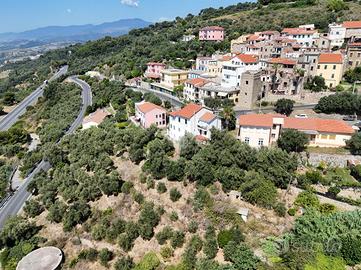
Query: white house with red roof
[147, 114]
[259, 130]
[353, 30]
[304, 34]
[211, 33]
[193, 119]
[233, 69]
[193, 89]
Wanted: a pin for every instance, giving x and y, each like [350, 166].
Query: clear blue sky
[20, 15]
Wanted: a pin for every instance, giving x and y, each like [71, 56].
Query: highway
[15, 203]
[10, 119]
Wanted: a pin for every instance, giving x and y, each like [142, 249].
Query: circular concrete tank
[46, 258]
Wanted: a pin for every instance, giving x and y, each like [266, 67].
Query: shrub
[88, 255]
[166, 252]
[124, 263]
[193, 226]
[161, 188]
[33, 208]
[291, 211]
[139, 197]
[234, 234]
[175, 195]
[164, 235]
[126, 187]
[280, 209]
[351, 250]
[327, 208]
[105, 255]
[173, 216]
[307, 199]
[150, 183]
[314, 176]
[333, 191]
[177, 239]
[150, 261]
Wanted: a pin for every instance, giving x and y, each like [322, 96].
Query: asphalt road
[15, 203]
[11, 118]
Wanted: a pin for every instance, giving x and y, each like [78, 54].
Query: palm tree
[228, 116]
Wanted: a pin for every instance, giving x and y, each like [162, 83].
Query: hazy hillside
[76, 32]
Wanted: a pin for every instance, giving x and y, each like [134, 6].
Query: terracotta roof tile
[146, 107]
[97, 117]
[155, 64]
[298, 31]
[201, 138]
[187, 111]
[312, 124]
[198, 82]
[283, 61]
[330, 58]
[207, 117]
[247, 58]
[352, 24]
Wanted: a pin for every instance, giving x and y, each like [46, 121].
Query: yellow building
[330, 67]
[173, 77]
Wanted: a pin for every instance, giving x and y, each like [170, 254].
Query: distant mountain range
[75, 33]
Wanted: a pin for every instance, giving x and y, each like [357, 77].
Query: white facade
[179, 126]
[232, 71]
[336, 34]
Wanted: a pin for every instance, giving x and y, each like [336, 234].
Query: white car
[301, 115]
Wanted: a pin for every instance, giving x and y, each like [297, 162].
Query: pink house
[211, 33]
[153, 70]
[150, 114]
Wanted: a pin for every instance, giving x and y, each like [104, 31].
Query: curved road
[15, 203]
[7, 121]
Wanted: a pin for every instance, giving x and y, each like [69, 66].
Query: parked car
[350, 118]
[302, 115]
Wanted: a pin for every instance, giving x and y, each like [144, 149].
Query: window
[260, 142]
[185, 121]
[246, 140]
[332, 137]
[331, 85]
[325, 67]
[156, 116]
[318, 66]
[247, 82]
[273, 135]
[324, 137]
[179, 119]
[332, 76]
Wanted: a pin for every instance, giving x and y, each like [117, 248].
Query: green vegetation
[284, 106]
[341, 103]
[292, 140]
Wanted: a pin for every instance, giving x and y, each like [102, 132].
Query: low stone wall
[306, 98]
[333, 160]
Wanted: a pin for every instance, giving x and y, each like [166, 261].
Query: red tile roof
[283, 61]
[254, 37]
[247, 58]
[330, 58]
[258, 120]
[314, 124]
[146, 107]
[298, 31]
[226, 58]
[214, 28]
[352, 24]
[207, 117]
[198, 82]
[97, 117]
[187, 111]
